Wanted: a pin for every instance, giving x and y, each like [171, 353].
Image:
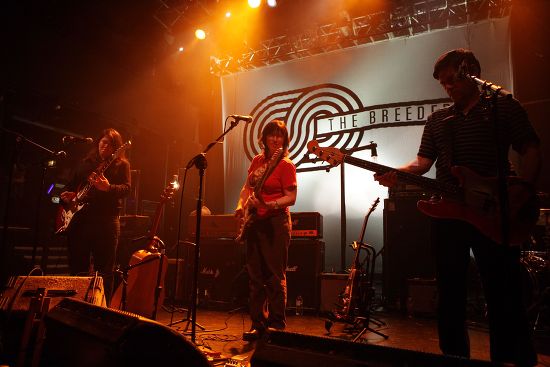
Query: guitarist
[463, 135]
[268, 235]
[92, 235]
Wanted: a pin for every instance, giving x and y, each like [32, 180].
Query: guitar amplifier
[307, 225]
[214, 226]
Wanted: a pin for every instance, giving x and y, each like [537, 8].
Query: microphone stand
[493, 92]
[19, 140]
[200, 162]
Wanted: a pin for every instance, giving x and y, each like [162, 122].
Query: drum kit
[535, 262]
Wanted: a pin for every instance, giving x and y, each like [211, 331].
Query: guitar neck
[425, 182]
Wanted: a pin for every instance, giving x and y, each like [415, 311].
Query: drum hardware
[536, 287]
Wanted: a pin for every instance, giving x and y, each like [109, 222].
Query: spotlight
[181, 49]
[272, 3]
[254, 3]
[228, 14]
[200, 34]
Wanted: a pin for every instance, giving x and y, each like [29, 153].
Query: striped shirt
[451, 138]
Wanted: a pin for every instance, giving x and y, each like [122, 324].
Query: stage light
[200, 34]
[181, 49]
[272, 3]
[228, 14]
[254, 3]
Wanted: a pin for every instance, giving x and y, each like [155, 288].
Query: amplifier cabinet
[307, 225]
[214, 226]
[407, 248]
[222, 277]
[306, 261]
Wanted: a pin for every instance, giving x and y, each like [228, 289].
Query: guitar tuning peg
[328, 169]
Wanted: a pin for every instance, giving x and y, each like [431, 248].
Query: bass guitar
[68, 210]
[348, 298]
[474, 200]
[143, 279]
[250, 212]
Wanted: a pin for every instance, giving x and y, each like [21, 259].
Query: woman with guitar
[94, 198]
[460, 139]
[263, 205]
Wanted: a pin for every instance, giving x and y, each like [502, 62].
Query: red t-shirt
[283, 176]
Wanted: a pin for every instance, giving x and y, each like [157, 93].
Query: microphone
[68, 139]
[247, 119]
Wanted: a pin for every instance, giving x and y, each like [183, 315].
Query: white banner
[377, 93]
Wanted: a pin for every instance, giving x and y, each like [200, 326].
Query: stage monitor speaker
[16, 300]
[306, 261]
[81, 334]
[297, 350]
[407, 248]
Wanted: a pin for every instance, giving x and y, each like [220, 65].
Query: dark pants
[95, 236]
[500, 272]
[266, 258]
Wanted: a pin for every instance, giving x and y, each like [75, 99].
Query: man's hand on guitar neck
[418, 166]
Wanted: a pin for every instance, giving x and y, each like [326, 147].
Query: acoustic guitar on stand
[69, 210]
[143, 287]
[474, 200]
[250, 212]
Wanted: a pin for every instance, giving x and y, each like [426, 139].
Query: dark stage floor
[221, 338]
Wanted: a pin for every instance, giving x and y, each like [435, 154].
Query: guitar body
[479, 206]
[248, 220]
[142, 281]
[250, 212]
[65, 216]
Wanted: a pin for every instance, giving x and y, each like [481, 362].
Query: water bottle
[299, 306]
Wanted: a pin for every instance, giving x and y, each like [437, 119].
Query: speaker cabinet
[81, 334]
[292, 349]
[407, 248]
[221, 276]
[306, 261]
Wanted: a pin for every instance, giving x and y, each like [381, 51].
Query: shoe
[273, 329]
[252, 335]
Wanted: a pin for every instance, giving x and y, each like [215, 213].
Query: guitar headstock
[374, 205]
[170, 189]
[332, 156]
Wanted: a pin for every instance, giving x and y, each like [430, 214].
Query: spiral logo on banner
[331, 114]
[300, 109]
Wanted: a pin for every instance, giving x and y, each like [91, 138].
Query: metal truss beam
[402, 21]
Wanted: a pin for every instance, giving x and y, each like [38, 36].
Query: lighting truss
[402, 21]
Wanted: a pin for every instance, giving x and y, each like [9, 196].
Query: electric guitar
[348, 297]
[68, 210]
[250, 212]
[474, 200]
[144, 284]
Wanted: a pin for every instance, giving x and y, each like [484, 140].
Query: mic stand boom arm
[200, 162]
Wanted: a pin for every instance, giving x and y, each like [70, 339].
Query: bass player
[264, 201]
[463, 135]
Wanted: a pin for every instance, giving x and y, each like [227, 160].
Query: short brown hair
[275, 127]
[454, 58]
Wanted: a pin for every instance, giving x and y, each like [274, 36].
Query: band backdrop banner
[376, 93]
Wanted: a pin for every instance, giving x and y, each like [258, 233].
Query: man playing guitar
[464, 135]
